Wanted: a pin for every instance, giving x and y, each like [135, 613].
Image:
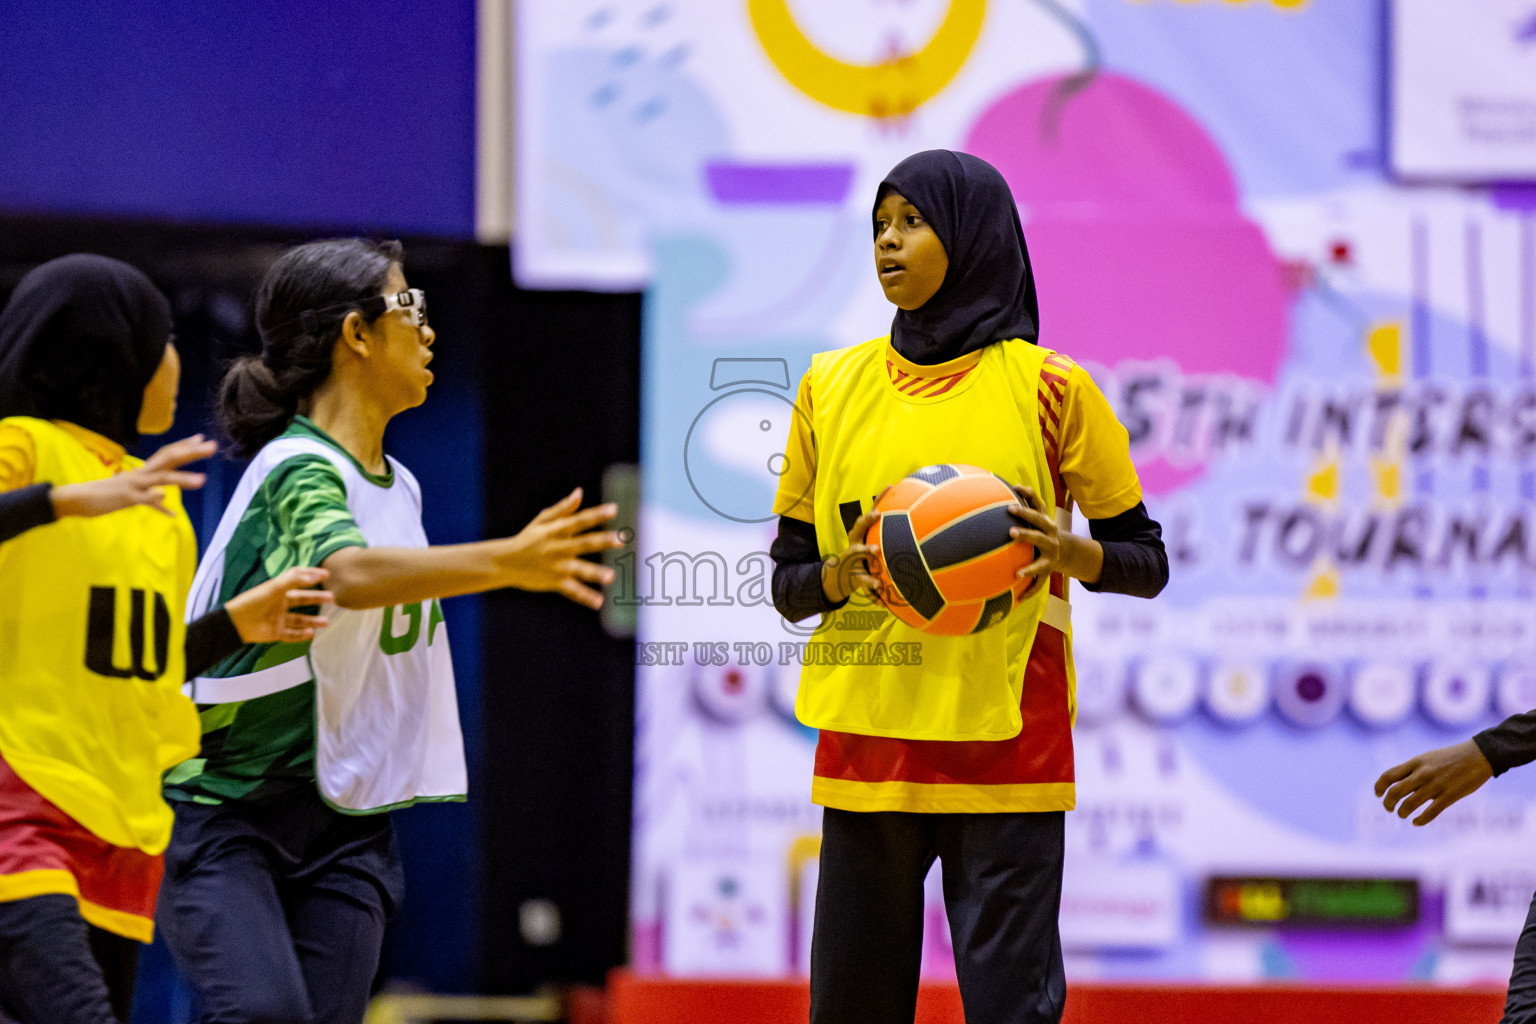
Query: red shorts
[44, 851]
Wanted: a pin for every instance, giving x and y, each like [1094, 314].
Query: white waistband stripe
[209, 690]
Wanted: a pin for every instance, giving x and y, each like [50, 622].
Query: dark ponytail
[303, 299]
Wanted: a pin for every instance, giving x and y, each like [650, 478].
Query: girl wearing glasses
[283, 868]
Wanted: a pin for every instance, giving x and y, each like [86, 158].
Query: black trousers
[1002, 893]
[57, 969]
[275, 912]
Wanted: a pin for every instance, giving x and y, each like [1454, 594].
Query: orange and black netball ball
[947, 563]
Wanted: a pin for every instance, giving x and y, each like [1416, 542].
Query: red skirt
[44, 851]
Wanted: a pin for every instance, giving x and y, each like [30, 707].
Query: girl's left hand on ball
[1039, 530]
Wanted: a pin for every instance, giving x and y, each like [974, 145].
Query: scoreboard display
[1304, 902]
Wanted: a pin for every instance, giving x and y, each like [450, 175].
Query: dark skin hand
[1439, 778]
[848, 570]
[1056, 550]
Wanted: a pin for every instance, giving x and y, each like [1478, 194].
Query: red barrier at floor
[636, 1000]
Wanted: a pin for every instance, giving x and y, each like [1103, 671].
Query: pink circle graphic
[1139, 244]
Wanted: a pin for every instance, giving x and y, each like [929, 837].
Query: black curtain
[561, 403]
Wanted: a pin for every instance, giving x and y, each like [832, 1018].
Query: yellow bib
[876, 417]
[91, 653]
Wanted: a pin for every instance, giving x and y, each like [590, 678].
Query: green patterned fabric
[260, 748]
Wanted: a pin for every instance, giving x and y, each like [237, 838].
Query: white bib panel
[386, 713]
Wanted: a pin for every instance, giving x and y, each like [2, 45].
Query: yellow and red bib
[1028, 414]
[91, 648]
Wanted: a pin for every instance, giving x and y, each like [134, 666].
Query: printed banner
[1464, 90]
[1330, 384]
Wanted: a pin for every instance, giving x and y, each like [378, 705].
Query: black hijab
[79, 340]
[988, 292]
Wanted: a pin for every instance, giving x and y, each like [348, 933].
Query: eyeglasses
[412, 300]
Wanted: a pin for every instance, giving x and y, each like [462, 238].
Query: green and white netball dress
[367, 709]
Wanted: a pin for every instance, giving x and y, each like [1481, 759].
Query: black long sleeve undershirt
[797, 592]
[210, 639]
[1509, 744]
[23, 509]
[1135, 562]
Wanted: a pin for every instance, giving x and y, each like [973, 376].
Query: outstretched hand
[1440, 778]
[144, 485]
[268, 612]
[546, 554]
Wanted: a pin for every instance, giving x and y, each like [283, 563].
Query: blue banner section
[345, 115]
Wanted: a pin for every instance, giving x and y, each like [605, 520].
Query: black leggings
[1002, 893]
[275, 912]
[56, 969]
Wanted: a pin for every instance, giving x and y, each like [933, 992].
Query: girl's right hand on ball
[546, 554]
[849, 570]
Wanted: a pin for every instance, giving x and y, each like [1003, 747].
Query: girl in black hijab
[989, 294]
[906, 779]
[86, 365]
[81, 339]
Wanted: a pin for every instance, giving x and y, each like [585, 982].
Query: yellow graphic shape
[1385, 343]
[1323, 488]
[1389, 480]
[1323, 485]
[893, 87]
[1325, 582]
